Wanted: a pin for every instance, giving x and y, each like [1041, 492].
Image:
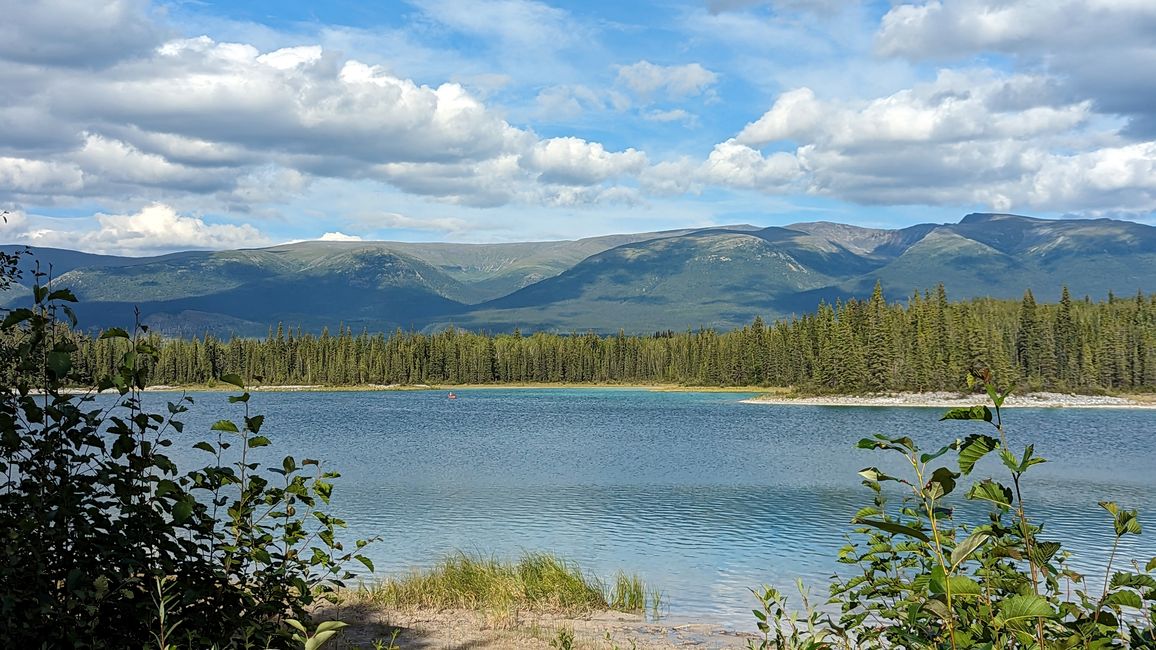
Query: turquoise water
[701, 494]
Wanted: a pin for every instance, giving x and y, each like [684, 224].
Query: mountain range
[719, 277]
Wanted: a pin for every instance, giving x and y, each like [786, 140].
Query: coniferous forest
[924, 343]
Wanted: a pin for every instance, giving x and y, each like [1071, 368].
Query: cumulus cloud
[196, 116]
[339, 236]
[573, 161]
[957, 106]
[732, 164]
[1093, 48]
[967, 137]
[155, 229]
[23, 176]
[672, 82]
[77, 33]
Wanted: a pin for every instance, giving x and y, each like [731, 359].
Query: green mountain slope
[713, 277]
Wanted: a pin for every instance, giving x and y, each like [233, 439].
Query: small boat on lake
[452, 396]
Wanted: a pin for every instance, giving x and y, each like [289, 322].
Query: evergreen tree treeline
[926, 343]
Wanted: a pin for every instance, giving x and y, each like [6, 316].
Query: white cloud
[1093, 48]
[228, 121]
[672, 115]
[672, 82]
[155, 229]
[339, 236]
[795, 112]
[573, 161]
[1097, 181]
[78, 33]
[956, 106]
[732, 164]
[22, 176]
[967, 137]
[518, 24]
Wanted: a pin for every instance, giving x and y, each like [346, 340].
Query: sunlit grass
[537, 581]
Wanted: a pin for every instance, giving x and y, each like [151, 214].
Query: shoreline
[524, 630]
[952, 400]
[774, 396]
[322, 388]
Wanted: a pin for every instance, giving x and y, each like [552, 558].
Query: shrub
[926, 580]
[106, 541]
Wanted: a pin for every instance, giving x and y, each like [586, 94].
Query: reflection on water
[702, 495]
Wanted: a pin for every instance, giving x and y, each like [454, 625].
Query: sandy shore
[453, 630]
[949, 400]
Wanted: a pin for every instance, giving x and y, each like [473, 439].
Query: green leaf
[1151, 564]
[1125, 598]
[977, 412]
[927, 458]
[1134, 580]
[937, 608]
[224, 425]
[59, 362]
[258, 441]
[114, 333]
[945, 479]
[366, 561]
[243, 397]
[1024, 606]
[968, 546]
[964, 586]
[1124, 521]
[182, 510]
[1043, 552]
[16, 316]
[989, 490]
[1009, 460]
[972, 449]
[62, 294]
[164, 486]
[204, 446]
[254, 423]
[1030, 460]
[893, 528]
[234, 379]
[875, 474]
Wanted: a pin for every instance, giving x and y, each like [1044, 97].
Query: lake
[702, 495]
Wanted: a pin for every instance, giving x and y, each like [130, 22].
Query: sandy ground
[949, 400]
[459, 630]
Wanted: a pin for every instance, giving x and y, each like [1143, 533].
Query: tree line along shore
[925, 343]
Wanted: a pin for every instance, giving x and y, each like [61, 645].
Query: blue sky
[141, 127]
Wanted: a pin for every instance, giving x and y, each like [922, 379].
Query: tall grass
[537, 581]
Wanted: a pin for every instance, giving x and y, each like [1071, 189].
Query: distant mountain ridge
[718, 277]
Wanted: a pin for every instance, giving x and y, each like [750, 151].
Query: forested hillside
[923, 343]
[715, 278]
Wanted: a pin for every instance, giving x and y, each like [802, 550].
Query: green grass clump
[537, 581]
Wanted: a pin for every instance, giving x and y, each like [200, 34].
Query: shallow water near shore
[702, 495]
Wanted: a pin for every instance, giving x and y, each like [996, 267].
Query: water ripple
[703, 496]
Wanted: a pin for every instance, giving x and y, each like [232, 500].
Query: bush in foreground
[926, 580]
[107, 544]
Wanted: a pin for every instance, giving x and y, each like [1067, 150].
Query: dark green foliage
[107, 544]
[854, 346]
[917, 577]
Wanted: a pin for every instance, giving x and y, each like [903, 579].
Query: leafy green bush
[926, 580]
[107, 544]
